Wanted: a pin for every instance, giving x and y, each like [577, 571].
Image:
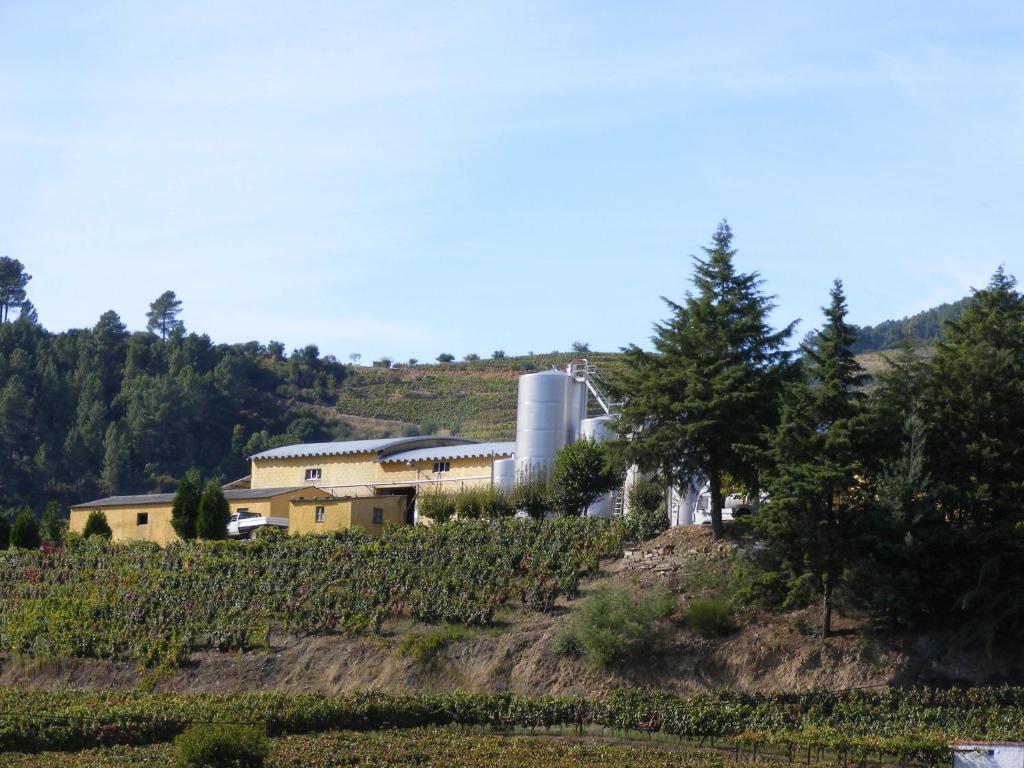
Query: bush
[582, 474]
[96, 525]
[425, 648]
[221, 746]
[647, 516]
[530, 496]
[25, 531]
[438, 505]
[615, 624]
[709, 617]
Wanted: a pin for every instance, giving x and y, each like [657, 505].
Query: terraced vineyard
[154, 605]
[476, 399]
[905, 727]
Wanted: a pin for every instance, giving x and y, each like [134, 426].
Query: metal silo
[504, 474]
[575, 408]
[540, 421]
[600, 429]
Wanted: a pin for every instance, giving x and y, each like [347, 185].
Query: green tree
[96, 525]
[5, 528]
[53, 524]
[163, 315]
[818, 489]
[25, 531]
[13, 281]
[582, 473]
[972, 403]
[445, 357]
[699, 403]
[212, 520]
[185, 509]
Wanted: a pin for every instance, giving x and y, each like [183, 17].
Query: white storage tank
[540, 421]
[600, 429]
[504, 474]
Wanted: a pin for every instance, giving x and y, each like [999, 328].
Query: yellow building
[401, 466]
[148, 517]
[324, 512]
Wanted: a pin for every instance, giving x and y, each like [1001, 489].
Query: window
[142, 518]
[378, 516]
[319, 514]
[313, 474]
[442, 466]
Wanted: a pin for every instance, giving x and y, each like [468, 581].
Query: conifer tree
[185, 508]
[13, 281]
[163, 314]
[697, 404]
[25, 531]
[816, 492]
[96, 525]
[212, 521]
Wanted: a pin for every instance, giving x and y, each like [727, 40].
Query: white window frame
[442, 467]
[318, 514]
[314, 473]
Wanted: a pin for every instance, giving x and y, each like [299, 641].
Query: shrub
[5, 529]
[425, 648]
[54, 525]
[25, 531]
[185, 508]
[438, 505]
[581, 475]
[530, 496]
[474, 503]
[96, 525]
[709, 617]
[614, 624]
[221, 746]
[567, 644]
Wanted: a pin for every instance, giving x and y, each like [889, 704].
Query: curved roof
[383, 446]
[470, 451]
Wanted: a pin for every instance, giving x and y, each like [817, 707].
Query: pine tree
[816, 492]
[163, 315]
[212, 520]
[699, 403]
[13, 281]
[185, 509]
[96, 525]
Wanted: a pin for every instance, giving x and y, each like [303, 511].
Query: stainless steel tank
[504, 474]
[540, 421]
[600, 429]
[575, 408]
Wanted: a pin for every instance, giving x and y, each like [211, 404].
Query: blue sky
[407, 179]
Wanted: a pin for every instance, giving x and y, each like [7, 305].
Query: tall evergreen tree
[972, 402]
[697, 404]
[185, 509]
[13, 281]
[163, 314]
[817, 491]
[212, 521]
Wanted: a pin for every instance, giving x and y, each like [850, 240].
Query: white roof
[444, 453]
[383, 446]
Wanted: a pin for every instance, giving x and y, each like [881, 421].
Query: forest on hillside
[922, 328]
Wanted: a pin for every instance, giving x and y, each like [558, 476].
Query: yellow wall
[123, 522]
[341, 514]
[361, 475]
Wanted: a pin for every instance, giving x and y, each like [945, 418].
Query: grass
[426, 648]
[709, 617]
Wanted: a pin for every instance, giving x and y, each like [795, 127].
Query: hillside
[924, 327]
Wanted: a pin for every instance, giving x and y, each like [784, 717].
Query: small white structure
[988, 754]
